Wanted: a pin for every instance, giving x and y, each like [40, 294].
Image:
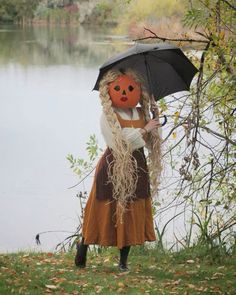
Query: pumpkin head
[124, 92]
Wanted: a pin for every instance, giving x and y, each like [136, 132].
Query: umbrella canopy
[164, 67]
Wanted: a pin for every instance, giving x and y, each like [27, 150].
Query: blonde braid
[154, 146]
[122, 172]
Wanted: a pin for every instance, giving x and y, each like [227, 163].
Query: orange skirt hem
[100, 226]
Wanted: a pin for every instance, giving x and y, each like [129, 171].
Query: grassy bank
[150, 273]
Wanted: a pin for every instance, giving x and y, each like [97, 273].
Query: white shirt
[131, 135]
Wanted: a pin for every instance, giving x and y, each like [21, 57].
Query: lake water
[47, 110]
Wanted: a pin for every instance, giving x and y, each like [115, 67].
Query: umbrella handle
[165, 119]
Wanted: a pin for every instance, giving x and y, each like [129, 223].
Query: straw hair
[122, 172]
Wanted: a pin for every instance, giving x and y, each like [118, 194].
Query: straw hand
[152, 124]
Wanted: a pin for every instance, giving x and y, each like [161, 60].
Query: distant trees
[58, 3]
[20, 11]
[7, 11]
[23, 11]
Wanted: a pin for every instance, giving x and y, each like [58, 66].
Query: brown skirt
[100, 226]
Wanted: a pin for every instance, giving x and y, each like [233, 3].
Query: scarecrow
[118, 211]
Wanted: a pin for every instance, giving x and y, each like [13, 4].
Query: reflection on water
[58, 46]
[47, 110]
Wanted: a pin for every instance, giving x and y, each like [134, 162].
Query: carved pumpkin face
[124, 92]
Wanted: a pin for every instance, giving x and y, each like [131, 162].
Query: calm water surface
[47, 110]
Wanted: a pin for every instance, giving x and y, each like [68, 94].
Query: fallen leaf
[26, 255]
[221, 267]
[98, 289]
[120, 284]
[85, 285]
[180, 273]
[152, 266]
[217, 275]
[172, 283]
[122, 274]
[192, 272]
[61, 271]
[176, 282]
[190, 261]
[51, 287]
[191, 286]
[58, 280]
[21, 290]
[49, 254]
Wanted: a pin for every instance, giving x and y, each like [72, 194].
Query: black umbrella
[164, 67]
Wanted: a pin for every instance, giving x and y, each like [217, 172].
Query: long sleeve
[131, 135]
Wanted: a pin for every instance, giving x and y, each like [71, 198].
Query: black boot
[124, 252]
[81, 254]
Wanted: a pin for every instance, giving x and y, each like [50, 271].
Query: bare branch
[218, 135]
[155, 36]
[229, 4]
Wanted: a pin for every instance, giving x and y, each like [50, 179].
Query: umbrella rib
[148, 69]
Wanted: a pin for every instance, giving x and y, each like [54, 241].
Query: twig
[82, 179]
[219, 135]
[155, 36]
[229, 4]
[209, 187]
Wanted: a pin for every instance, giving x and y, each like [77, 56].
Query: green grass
[151, 272]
